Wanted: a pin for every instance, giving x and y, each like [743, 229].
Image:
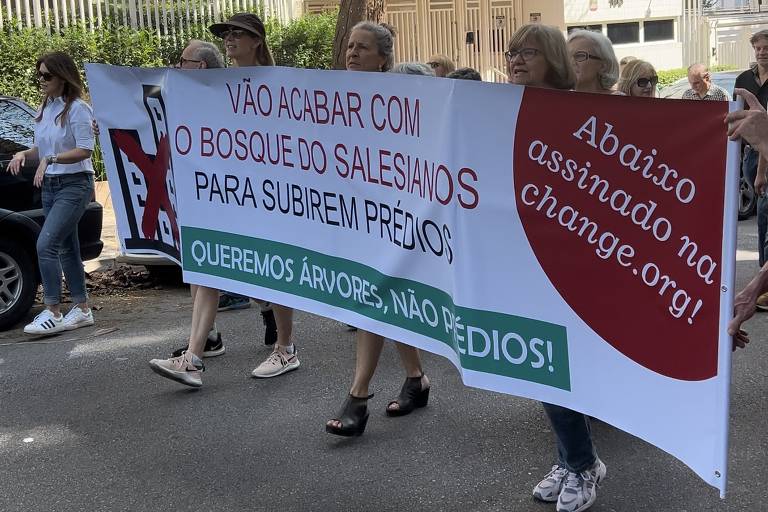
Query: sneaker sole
[215, 353]
[179, 377]
[284, 369]
[47, 332]
[72, 327]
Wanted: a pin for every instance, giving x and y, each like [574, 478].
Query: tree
[352, 12]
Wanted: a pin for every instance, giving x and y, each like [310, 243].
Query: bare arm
[18, 160]
[760, 178]
[744, 306]
[76, 155]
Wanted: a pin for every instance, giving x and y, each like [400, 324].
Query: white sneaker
[550, 486]
[76, 318]
[46, 323]
[186, 368]
[278, 363]
[579, 491]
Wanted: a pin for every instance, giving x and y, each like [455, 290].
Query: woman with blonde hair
[639, 78]
[537, 56]
[441, 65]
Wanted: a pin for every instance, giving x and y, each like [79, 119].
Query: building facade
[668, 33]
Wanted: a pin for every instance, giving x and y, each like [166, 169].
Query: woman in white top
[63, 145]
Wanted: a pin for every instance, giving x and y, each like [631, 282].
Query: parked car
[21, 217]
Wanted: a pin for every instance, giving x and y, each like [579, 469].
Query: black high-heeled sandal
[353, 417]
[411, 397]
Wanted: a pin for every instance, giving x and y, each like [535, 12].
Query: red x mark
[154, 168]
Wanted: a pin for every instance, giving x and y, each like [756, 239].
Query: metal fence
[472, 33]
[164, 16]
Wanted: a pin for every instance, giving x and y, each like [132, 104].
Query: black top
[750, 80]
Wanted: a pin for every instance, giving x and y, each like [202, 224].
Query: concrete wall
[579, 12]
[662, 54]
[549, 12]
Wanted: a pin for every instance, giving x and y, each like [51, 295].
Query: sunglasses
[45, 76]
[233, 33]
[525, 53]
[645, 82]
[584, 56]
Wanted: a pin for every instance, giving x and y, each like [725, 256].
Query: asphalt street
[86, 426]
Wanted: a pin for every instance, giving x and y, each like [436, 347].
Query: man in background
[702, 87]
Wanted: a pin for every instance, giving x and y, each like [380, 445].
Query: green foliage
[306, 42]
[725, 67]
[670, 76]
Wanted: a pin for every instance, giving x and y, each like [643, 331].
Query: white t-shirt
[51, 138]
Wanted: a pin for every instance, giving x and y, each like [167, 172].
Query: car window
[17, 128]
[726, 82]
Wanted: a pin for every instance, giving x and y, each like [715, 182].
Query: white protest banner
[574, 249]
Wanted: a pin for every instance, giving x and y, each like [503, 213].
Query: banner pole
[726, 306]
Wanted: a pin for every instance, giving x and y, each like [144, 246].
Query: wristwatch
[53, 159]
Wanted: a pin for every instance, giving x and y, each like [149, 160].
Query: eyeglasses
[584, 56]
[45, 76]
[645, 82]
[233, 33]
[183, 61]
[525, 53]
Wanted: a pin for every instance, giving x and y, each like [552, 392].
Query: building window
[624, 33]
[660, 30]
[591, 28]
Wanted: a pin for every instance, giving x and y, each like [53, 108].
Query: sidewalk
[108, 231]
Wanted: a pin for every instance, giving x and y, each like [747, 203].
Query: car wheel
[747, 199]
[18, 282]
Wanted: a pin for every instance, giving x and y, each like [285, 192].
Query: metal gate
[472, 33]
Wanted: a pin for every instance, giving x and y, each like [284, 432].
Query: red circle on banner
[588, 171]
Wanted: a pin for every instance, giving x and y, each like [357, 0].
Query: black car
[21, 217]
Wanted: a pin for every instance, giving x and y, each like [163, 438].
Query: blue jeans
[575, 450]
[64, 200]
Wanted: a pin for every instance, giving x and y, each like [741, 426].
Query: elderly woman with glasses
[537, 56]
[594, 62]
[639, 78]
